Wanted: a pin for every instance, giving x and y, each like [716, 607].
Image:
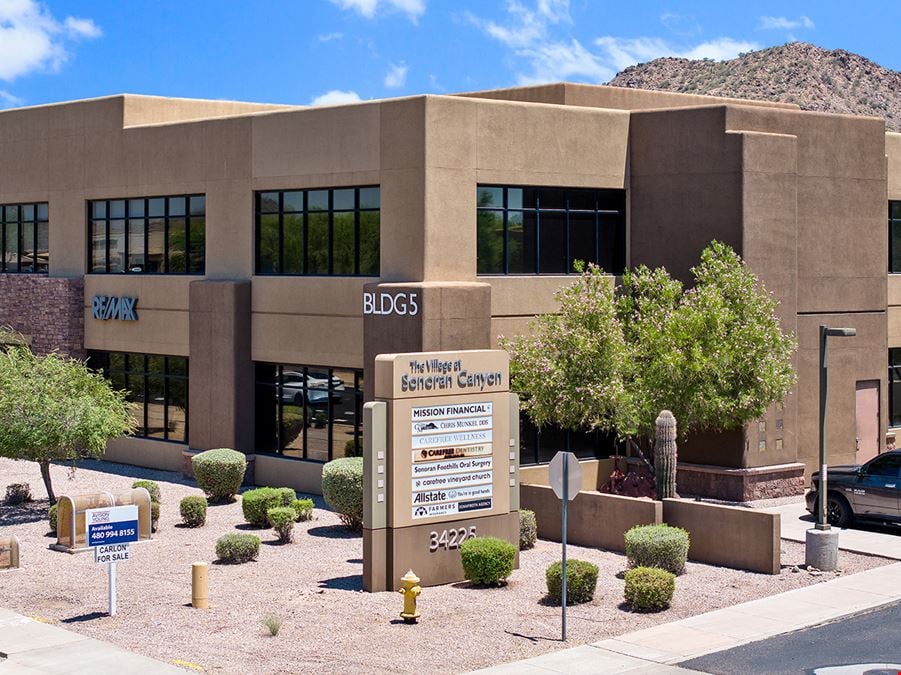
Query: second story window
[24, 238]
[894, 237]
[148, 235]
[544, 230]
[318, 232]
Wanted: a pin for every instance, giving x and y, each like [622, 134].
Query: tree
[53, 408]
[715, 354]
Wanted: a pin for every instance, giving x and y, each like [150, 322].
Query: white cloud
[396, 76]
[369, 8]
[7, 100]
[31, 39]
[624, 52]
[527, 25]
[557, 61]
[336, 97]
[784, 23]
[680, 24]
[328, 37]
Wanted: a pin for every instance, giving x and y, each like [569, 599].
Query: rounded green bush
[581, 581]
[303, 509]
[657, 546]
[219, 473]
[342, 489]
[487, 560]
[255, 503]
[528, 529]
[154, 516]
[281, 518]
[151, 486]
[193, 511]
[649, 588]
[52, 516]
[237, 548]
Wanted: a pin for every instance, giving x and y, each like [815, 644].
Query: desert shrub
[342, 488]
[52, 516]
[581, 581]
[528, 529]
[255, 503]
[303, 509]
[351, 449]
[281, 518]
[657, 546]
[18, 493]
[151, 486]
[219, 472]
[154, 516]
[649, 588]
[273, 623]
[193, 511]
[237, 548]
[487, 560]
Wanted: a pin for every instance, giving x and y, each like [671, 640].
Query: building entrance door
[867, 420]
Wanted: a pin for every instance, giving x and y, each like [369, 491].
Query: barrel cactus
[665, 455]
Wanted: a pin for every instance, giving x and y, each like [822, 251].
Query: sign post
[565, 477]
[109, 531]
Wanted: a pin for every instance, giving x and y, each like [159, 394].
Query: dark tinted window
[894, 387]
[894, 237]
[24, 238]
[887, 466]
[539, 445]
[318, 232]
[546, 230]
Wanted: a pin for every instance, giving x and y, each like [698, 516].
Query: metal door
[867, 420]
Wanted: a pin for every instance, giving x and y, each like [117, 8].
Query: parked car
[870, 491]
[317, 387]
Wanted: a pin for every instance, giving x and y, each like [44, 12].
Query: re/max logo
[105, 307]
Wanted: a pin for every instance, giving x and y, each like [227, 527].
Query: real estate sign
[441, 462]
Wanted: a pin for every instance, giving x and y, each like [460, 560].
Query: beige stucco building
[273, 251]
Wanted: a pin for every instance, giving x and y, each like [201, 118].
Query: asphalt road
[870, 638]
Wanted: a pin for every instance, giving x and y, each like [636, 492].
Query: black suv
[871, 491]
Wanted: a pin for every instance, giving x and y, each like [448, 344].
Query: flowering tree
[715, 354]
[53, 407]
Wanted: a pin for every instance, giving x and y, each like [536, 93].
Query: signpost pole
[565, 501]
[112, 588]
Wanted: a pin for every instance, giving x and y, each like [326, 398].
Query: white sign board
[110, 553]
[574, 474]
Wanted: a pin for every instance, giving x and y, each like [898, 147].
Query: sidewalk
[34, 647]
[657, 649]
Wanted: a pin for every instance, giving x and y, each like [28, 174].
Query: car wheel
[838, 512]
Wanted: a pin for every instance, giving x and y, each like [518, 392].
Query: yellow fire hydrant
[411, 591]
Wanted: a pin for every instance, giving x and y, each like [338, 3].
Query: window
[148, 235]
[24, 238]
[308, 412]
[529, 230]
[887, 466]
[318, 232]
[539, 445]
[894, 387]
[158, 385]
[894, 237]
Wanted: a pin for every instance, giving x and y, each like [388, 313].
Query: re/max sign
[105, 307]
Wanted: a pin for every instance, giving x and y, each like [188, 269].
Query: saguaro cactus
[665, 455]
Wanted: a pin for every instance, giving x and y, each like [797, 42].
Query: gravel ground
[329, 624]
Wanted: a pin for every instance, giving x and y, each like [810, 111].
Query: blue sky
[315, 51]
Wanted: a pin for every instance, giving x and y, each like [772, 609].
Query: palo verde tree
[53, 408]
[612, 359]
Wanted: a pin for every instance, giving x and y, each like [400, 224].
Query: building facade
[236, 267]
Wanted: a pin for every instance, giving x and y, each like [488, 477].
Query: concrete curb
[658, 649]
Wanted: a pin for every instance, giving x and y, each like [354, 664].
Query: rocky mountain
[814, 78]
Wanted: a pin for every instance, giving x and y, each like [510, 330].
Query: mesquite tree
[53, 408]
[611, 359]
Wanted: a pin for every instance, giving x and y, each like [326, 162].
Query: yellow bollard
[200, 587]
[411, 591]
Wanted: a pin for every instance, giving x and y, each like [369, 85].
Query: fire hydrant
[411, 591]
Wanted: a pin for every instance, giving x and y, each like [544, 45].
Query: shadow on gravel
[352, 582]
[248, 526]
[21, 514]
[85, 617]
[334, 532]
[534, 639]
[355, 561]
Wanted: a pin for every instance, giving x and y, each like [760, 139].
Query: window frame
[604, 230]
[127, 218]
[894, 266]
[276, 387]
[20, 224]
[604, 444]
[894, 369]
[304, 213]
